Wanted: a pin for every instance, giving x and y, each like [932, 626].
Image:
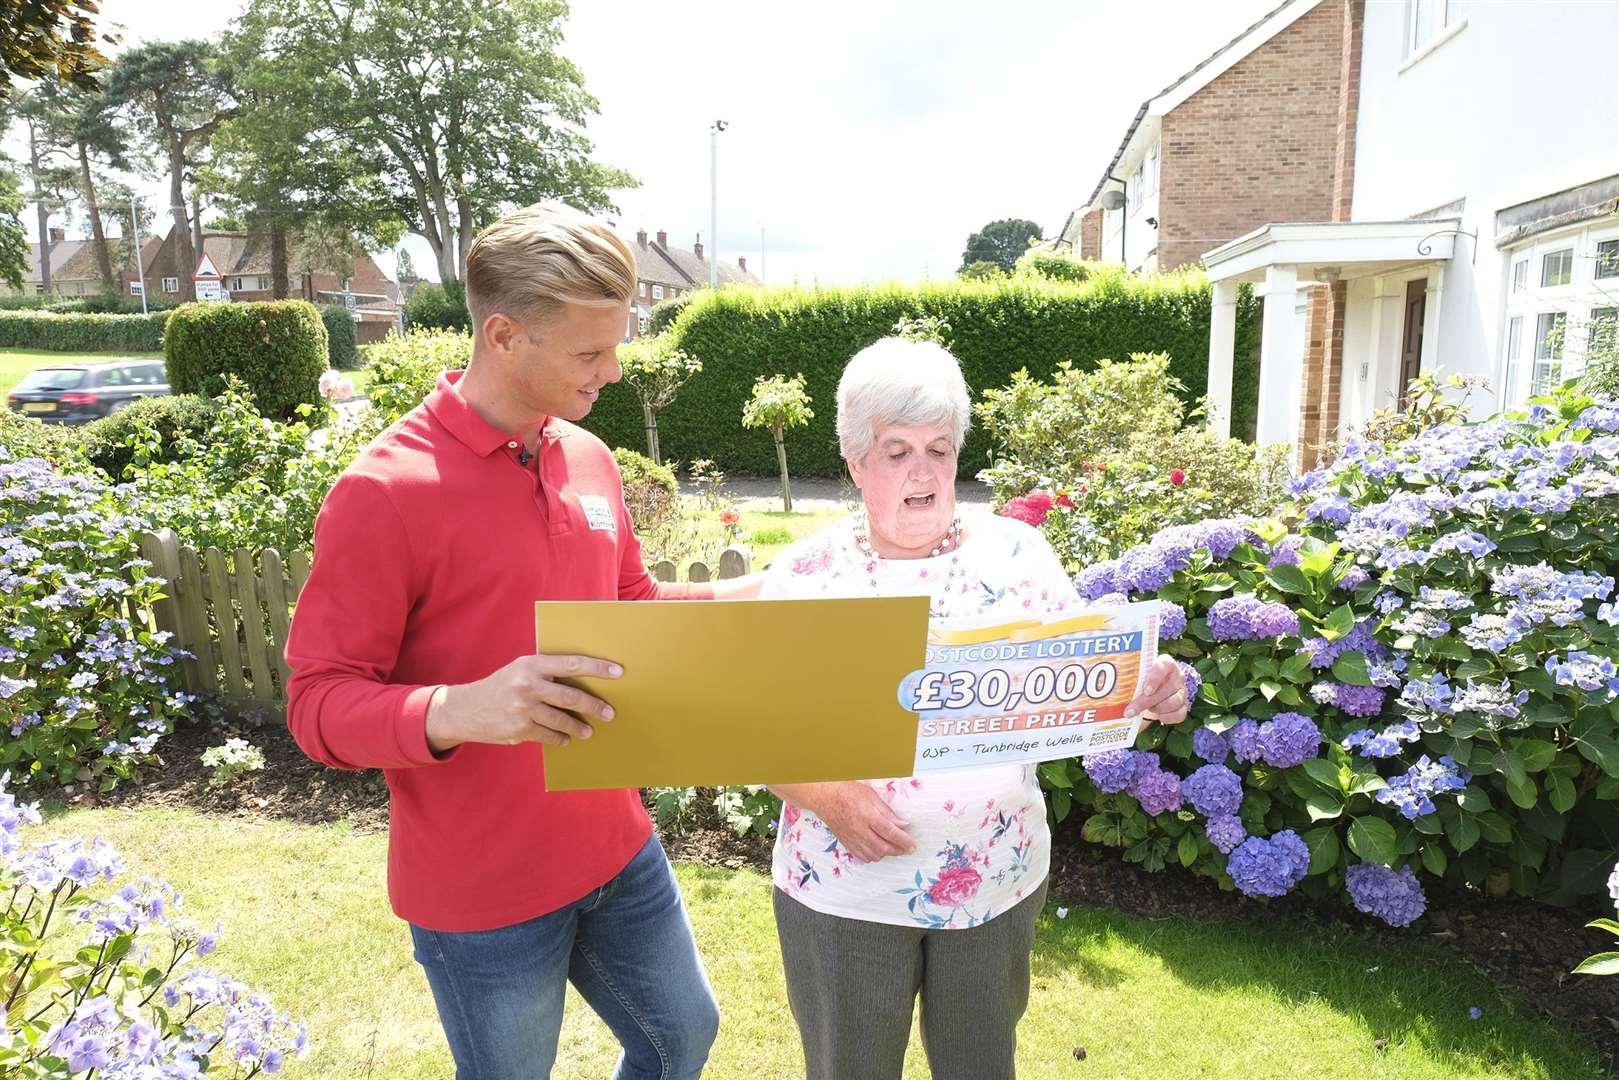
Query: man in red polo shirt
[412, 650]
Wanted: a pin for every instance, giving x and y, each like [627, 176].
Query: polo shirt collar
[460, 419]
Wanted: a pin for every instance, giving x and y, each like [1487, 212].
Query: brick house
[665, 272]
[243, 260]
[1245, 137]
[74, 272]
[1468, 228]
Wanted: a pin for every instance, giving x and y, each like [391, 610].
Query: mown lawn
[305, 919]
[15, 363]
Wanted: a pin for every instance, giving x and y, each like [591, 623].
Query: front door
[1416, 307]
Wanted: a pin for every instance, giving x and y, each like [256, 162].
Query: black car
[79, 393]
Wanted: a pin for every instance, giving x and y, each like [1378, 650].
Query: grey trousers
[852, 985]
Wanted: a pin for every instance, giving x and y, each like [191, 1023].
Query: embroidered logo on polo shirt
[598, 513]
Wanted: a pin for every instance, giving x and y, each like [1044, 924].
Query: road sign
[210, 291]
[205, 270]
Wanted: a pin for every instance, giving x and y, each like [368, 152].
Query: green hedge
[342, 350]
[277, 348]
[433, 306]
[50, 332]
[995, 329]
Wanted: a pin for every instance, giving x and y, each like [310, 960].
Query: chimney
[663, 239]
[742, 263]
[640, 237]
[57, 234]
[698, 247]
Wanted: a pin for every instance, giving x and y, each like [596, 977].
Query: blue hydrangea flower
[1211, 746]
[1286, 552]
[1288, 739]
[1353, 579]
[1464, 541]
[1232, 618]
[1245, 744]
[1213, 791]
[1269, 866]
[1385, 743]
[1156, 789]
[1171, 620]
[1110, 770]
[1194, 681]
[1275, 620]
[1395, 897]
[1582, 669]
[1227, 831]
[1097, 580]
[1412, 792]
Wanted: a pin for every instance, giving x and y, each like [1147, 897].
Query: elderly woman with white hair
[889, 888]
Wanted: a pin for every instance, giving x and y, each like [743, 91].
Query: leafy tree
[174, 95]
[50, 39]
[458, 107]
[13, 237]
[72, 144]
[983, 270]
[655, 371]
[280, 174]
[1000, 242]
[404, 268]
[779, 403]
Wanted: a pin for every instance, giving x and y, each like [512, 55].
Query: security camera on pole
[714, 202]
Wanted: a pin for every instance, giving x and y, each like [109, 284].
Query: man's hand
[860, 819]
[522, 702]
[1163, 695]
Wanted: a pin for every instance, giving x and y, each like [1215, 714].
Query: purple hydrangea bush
[1410, 674]
[104, 979]
[86, 688]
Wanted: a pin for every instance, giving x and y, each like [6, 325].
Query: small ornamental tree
[779, 403]
[655, 371]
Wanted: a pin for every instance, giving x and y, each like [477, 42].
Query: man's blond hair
[531, 262]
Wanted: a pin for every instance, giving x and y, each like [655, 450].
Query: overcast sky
[867, 138]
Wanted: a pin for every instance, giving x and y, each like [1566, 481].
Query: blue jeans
[627, 948]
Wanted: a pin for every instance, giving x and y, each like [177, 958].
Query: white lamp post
[714, 202]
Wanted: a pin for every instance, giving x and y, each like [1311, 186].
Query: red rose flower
[1064, 501]
[1027, 510]
[955, 886]
[1177, 477]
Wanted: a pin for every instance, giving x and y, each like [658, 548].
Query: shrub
[24, 437]
[341, 351]
[1419, 678]
[665, 312]
[247, 482]
[107, 442]
[100, 984]
[996, 329]
[232, 759]
[82, 333]
[1110, 448]
[433, 306]
[650, 492]
[1060, 267]
[84, 686]
[404, 369]
[277, 348]
[114, 304]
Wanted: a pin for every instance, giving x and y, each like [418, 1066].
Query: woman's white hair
[898, 382]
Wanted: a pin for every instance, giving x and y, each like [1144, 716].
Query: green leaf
[1269, 689]
[1609, 925]
[1510, 765]
[1324, 773]
[1054, 774]
[1537, 754]
[1339, 623]
[1474, 800]
[1291, 579]
[1296, 667]
[1323, 806]
[1463, 832]
[1187, 849]
[1324, 848]
[1351, 668]
[1560, 793]
[1523, 795]
[1496, 827]
[1316, 558]
[1595, 744]
[1603, 963]
[1373, 839]
[1435, 860]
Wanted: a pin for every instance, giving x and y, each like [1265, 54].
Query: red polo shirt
[430, 551]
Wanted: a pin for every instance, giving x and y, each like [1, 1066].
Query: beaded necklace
[951, 542]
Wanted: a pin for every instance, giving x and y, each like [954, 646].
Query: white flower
[1062, 912]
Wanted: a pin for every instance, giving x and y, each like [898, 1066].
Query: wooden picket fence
[231, 612]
